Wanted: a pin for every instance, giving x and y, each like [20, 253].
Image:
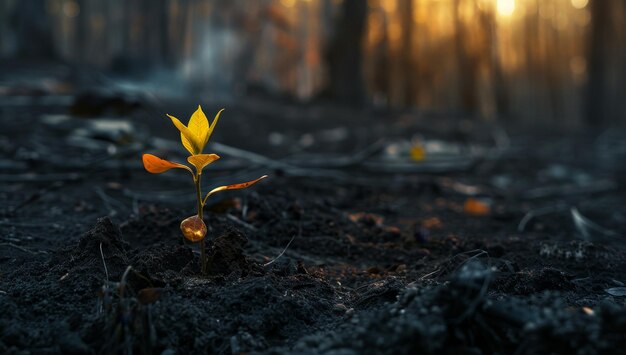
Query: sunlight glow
[505, 7]
[580, 4]
[288, 3]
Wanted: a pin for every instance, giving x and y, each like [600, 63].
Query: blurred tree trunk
[532, 63]
[146, 17]
[409, 92]
[164, 34]
[381, 74]
[554, 79]
[33, 30]
[466, 65]
[127, 22]
[327, 11]
[597, 52]
[123, 56]
[500, 91]
[81, 32]
[344, 54]
[178, 29]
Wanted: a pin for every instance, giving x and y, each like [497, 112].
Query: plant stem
[196, 180]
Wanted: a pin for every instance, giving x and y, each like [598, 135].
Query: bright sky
[505, 7]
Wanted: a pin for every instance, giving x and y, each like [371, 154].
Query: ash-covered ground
[498, 240]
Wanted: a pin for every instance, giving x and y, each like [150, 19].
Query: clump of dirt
[52, 301]
[151, 226]
[164, 264]
[103, 243]
[226, 256]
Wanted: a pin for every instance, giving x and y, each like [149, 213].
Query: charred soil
[349, 247]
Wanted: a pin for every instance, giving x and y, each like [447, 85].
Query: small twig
[429, 274]
[106, 271]
[23, 249]
[539, 212]
[312, 259]
[288, 244]
[587, 227]
[570, 189]
[122, 284]
[479, 253]
[281, 253]
[242, 223]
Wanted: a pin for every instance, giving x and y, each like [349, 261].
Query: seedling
[194, 137]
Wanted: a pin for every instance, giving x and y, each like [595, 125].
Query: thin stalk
[196, 180]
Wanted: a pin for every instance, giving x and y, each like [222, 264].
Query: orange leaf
[157, 165]
[202, 160]
[242, 185]
[476, 207]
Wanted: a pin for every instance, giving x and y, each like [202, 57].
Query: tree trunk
[81, 32]
[381, 68]
[409, 91]
[344, 54]
[466, 65]
[500, 91]
[163, 14]
[33, 31]
[595, 111]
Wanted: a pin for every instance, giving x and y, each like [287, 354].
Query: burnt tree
[410, 89]
[344, 54]
[33, 31]
[466, 64]
[597, 52]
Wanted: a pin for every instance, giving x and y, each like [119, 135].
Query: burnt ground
[502, 239]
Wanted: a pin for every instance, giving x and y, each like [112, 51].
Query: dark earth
[504, 239]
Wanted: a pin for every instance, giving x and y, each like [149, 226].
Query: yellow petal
[212, 126]
[199, 126]
[418, 153]
[188, 138]
[193, 228]
[202, 160]
[242, 185]
[157, 165]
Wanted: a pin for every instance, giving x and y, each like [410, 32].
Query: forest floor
[498, 240]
